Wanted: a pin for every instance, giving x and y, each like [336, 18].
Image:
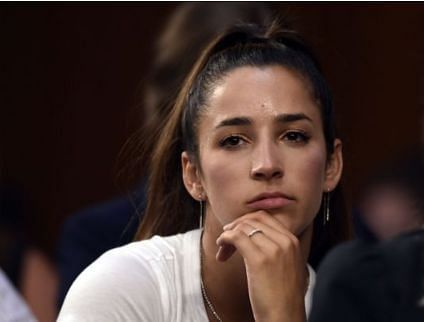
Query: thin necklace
[202, 286]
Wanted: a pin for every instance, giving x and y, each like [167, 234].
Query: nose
[266, 164]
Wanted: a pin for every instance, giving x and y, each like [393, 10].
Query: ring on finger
[254, 231]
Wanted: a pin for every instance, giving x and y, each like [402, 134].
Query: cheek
[314, 168]
[219, 169]
[222, 177]
[214, 174]
[309, 178]
[219, 176]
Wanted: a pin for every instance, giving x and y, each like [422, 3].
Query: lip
[269, 200]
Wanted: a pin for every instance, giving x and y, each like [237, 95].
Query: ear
[334, 168]
[191, 177]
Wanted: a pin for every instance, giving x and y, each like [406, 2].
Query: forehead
[261, 92]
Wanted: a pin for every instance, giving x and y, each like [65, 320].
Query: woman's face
[262, 147]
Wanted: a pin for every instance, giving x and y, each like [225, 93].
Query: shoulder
[370, 281]
[351, 270]
[106, 290]
[344, 259]
[405, 246]
[369, 259]
[341, 279]
[127, 283]
[89, 233]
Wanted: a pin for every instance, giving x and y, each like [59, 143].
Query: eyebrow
[288, 118]
[234, 121]
[281, 118]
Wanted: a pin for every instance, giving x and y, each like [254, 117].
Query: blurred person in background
[393, 200]
[24, 260]
[89, 233]
[372, 282]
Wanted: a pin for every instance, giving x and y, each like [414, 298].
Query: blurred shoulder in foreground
[364, 281]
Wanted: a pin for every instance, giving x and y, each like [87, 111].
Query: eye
[232, 141]
[296, 137]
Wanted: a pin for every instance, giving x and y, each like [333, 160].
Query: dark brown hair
[170, 208]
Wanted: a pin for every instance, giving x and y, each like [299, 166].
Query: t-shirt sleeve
[119, 286]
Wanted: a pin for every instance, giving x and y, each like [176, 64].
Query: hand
[275, 268]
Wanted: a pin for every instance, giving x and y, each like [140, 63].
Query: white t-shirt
[152, 280]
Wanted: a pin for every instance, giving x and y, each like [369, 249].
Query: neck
[225, 283]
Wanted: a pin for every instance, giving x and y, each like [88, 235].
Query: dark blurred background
[70, 77]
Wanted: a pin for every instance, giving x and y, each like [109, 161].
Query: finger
[244, 240]
[282, 236]
[274, 245]
[268, 240]
[275, 248]
[261, 216]
[263, 220]
[266, 219]
[239, 240]
[226, 251]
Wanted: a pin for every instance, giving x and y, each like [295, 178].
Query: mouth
[269, 200]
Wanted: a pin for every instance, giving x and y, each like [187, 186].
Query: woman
[251, 141]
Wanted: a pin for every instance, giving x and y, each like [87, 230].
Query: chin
[296, 228]
[287, 222]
